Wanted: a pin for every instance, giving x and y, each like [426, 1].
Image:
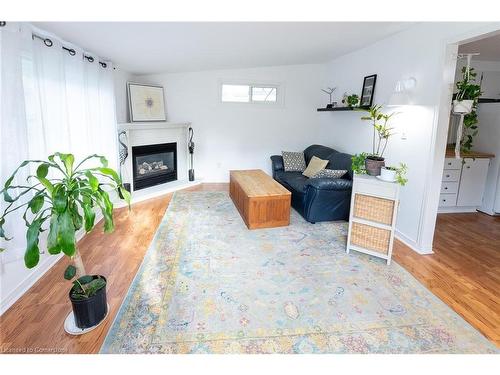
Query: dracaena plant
[381, 130]
[64, 198]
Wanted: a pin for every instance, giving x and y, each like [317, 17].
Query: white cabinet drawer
[449, 187]
[447, 200]
[452, 163]
[452, 175]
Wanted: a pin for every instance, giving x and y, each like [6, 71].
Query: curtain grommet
[48, 42]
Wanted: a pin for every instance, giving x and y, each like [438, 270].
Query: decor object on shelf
[395, 174]
[261, 201]
[318, 199]
[329, 91]
[401, 94]
[368, 91]
[191, 152]
[61, 194]
[123, 155]
[381, 134]
[465, 105]
[146, 102]
[372, 219]
[351, 100]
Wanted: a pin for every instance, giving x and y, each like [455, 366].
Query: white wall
[418, 52]
[121, 77]
[243, 136]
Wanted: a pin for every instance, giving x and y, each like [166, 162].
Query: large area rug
[209, 285]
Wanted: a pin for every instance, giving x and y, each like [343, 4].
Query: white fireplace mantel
[144, 133]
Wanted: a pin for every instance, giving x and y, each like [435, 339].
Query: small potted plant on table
[66, 198]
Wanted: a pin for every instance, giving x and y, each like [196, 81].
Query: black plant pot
[91, 311]
[373, 165]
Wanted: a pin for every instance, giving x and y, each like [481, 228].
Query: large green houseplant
[63, 199]
[381, 134]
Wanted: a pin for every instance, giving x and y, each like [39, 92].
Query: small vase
[373, 165]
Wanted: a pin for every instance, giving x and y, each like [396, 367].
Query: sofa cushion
[293, 161]
[315, 165]
[342, 161]
[330, 173]
[319, 151]
[293, 181]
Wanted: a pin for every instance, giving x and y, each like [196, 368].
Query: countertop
[450, 153]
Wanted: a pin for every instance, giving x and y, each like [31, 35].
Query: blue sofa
[318, 199]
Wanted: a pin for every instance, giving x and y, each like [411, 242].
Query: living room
[240, 188]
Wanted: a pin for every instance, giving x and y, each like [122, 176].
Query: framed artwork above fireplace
[146, 102]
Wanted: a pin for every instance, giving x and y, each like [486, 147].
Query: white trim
[36, 273]
[412, 244]
[456, 209]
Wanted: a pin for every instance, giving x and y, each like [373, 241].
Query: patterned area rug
[209, 285]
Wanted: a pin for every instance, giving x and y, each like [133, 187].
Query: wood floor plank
[463, 272]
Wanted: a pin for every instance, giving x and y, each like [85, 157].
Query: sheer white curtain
[51, 101]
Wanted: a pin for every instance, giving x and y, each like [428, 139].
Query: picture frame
[368, 91]
[146, 102]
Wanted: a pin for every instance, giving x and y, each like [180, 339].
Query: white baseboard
[412, 244]
[456, 210]
[36, 273]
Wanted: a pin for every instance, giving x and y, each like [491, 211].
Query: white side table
[374, 205]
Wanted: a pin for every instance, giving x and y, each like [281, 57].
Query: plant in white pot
[468, 92]
[395, 174]
[63, 199]
[381, 134]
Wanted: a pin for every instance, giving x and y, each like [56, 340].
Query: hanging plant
[465, 103]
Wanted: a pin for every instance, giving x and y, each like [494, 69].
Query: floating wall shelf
[335, 109]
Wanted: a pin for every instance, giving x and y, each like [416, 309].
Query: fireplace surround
[154, 164]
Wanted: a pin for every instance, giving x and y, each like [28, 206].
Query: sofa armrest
[277, 161]
[337, 184]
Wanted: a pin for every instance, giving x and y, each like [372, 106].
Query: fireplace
[154, 164]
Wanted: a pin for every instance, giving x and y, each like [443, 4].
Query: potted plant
[358, 163]
[381, 134]
[63, 200]
[468, 92]
[395, 174]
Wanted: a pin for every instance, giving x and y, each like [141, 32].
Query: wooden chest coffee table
[261, 201]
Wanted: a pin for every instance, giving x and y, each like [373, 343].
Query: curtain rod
[48, 42]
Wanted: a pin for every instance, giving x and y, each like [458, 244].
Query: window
[236, 93]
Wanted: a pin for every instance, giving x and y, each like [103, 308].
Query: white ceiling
[152, 47]
[489, 48]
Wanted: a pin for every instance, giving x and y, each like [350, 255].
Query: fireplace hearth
[154, 164]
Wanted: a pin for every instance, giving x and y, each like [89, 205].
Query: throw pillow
[330, 173]
[315, 165]
[293, 161]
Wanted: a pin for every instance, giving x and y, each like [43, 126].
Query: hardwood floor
[464, 272]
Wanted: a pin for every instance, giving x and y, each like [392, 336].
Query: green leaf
[89, 216]
[32, 254]
[60, 198]
[36, 203]
[110, 172]
[77, 218]
[107, 211]
[2, 231]
[66, 234]
[46, 184]
[70, 272]
[125, 194]
[85, 279]
[43, 170]
[93, 181]
[68, 160]
[52, 242]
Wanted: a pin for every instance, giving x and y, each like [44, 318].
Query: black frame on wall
[362, 103]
